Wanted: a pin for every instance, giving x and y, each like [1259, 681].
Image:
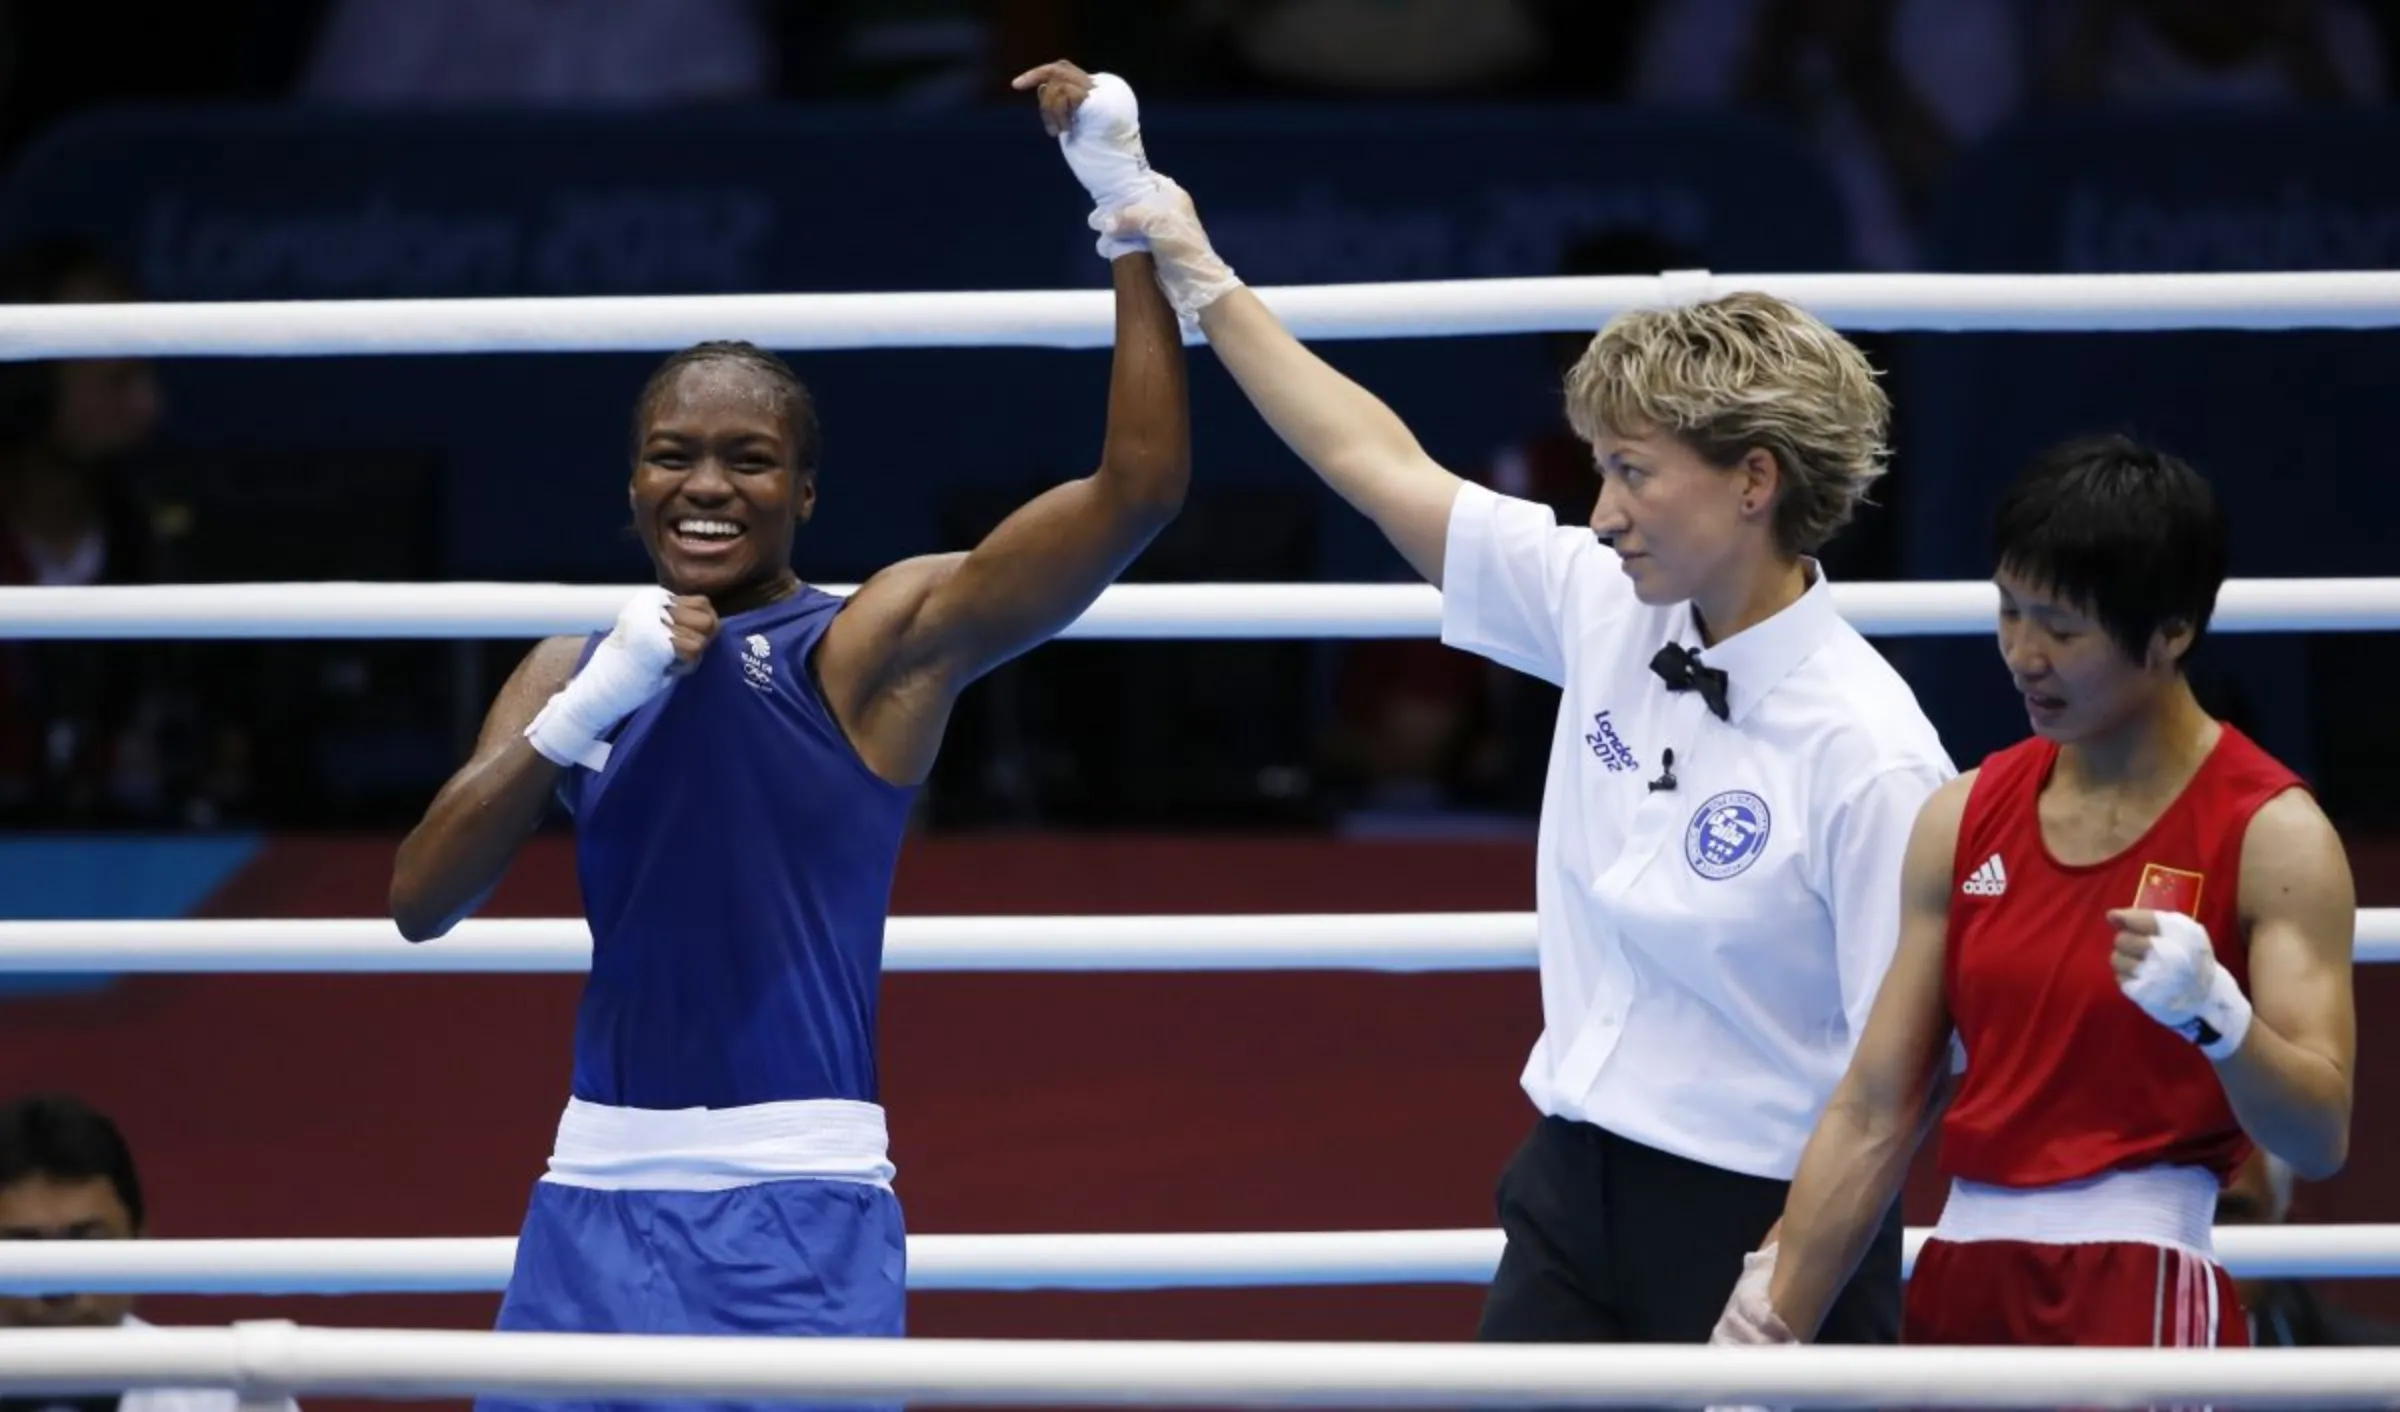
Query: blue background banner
[261, 205]
[922, 448]
[2291, 427]
[73, 877]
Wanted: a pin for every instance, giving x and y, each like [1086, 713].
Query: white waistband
[2174, 1206]
[713, 1149]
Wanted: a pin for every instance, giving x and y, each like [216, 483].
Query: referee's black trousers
[1613, 1242]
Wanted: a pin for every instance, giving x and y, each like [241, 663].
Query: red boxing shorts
[2090, 1294]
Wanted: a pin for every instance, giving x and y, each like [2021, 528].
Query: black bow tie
[1680, 668]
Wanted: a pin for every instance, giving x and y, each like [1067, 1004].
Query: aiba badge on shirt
[1727, 835]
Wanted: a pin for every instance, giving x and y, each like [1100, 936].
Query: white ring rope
[1086, 319]
[1396, 941]
[1293, 941]
[194, 611]
[1197, 1260]
[262, 1360]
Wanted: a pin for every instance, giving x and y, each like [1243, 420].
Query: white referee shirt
[1708, 952]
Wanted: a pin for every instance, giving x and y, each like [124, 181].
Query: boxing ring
[262, 1360]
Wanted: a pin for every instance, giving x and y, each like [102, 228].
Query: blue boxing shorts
[803, 1257]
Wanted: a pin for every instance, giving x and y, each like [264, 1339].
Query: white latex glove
[1750, 1316]
[2166, 965]
[1189, 269]
[630, 666]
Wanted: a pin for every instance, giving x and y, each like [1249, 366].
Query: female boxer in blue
[739, 755]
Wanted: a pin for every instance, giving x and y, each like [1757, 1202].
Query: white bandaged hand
[1189, 269]
[1103, 148]
[2178, 983]
[1750, 1315]
[630, 666]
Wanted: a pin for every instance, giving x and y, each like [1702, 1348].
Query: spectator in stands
[934, 53]
[602, 52]
[1888, 91]
[64, 427]
[2227, 53]
[1378, 46]
[2287, 1313]
[67, 1174]
[74, 744]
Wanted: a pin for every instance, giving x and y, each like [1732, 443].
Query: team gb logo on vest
[1727, 835]
[756, 668]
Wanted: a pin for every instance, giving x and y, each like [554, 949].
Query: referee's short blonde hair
[1747, 370]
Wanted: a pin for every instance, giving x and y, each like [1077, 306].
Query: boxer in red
[2130, 937]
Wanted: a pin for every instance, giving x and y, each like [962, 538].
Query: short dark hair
[2124, 531]
[799, 409]
[65, 1139]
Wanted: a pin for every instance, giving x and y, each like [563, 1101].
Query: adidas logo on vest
[1990, 880]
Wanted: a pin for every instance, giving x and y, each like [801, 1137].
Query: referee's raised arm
[1724, 738]
[1355, 443]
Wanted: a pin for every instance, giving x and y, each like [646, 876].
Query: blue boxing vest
[736, 858]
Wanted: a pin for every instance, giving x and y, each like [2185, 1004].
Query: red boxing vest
[2066, 1078]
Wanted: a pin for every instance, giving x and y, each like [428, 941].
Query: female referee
[1731, 780]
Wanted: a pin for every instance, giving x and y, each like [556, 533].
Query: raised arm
[1346, 435]
[1855, 1161]
[1354, 443]
[915, 635]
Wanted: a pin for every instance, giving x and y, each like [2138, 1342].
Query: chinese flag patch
[2169, 890]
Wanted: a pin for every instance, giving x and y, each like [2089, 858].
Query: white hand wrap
[2180, 985]
[1189, 269]
[1750, 1316]
[1104, 150]
[626, 669]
